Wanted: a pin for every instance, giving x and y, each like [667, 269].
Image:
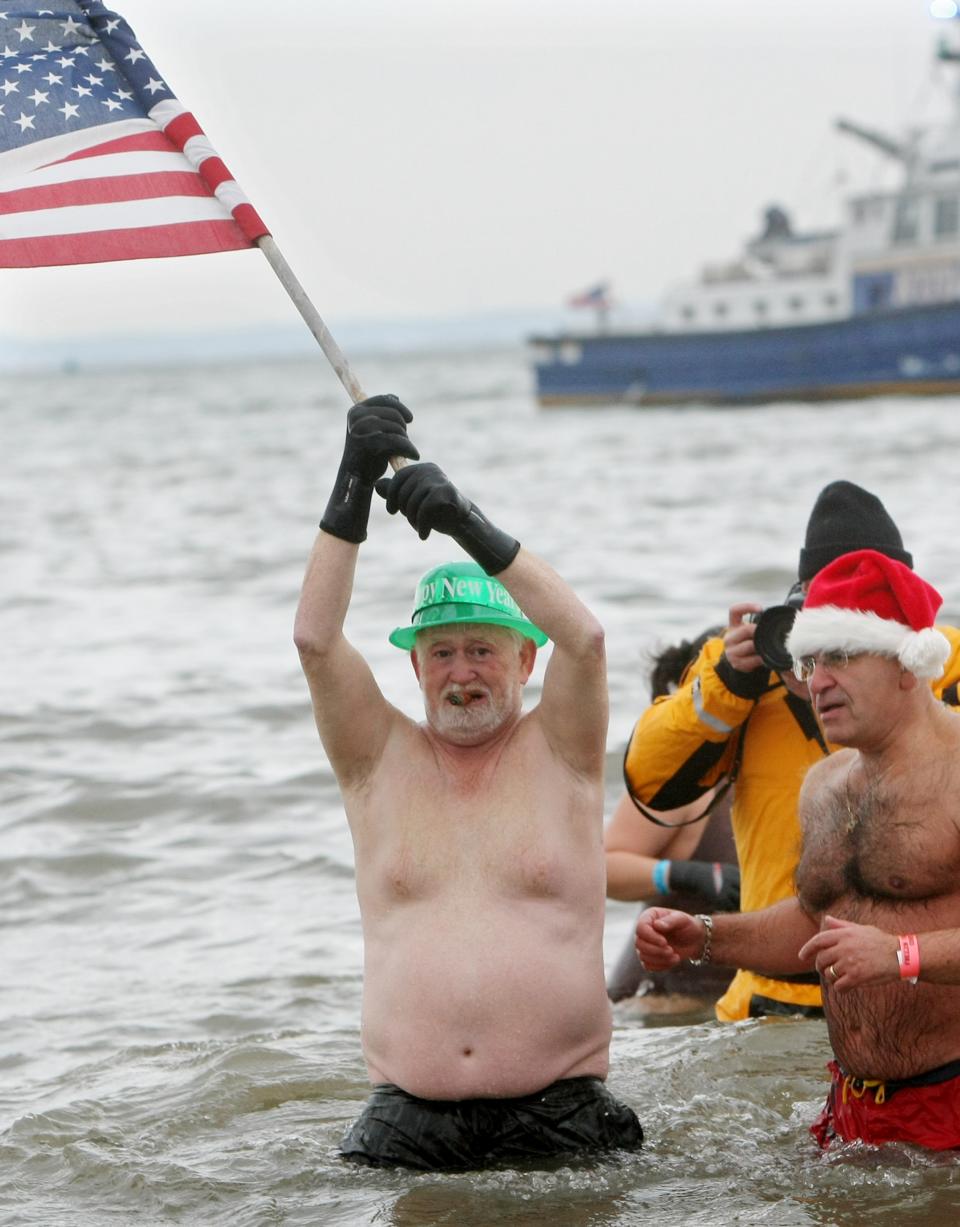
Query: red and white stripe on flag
[127, 190]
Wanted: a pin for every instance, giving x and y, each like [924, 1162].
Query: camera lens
[773, 627]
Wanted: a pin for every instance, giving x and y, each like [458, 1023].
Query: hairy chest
[878, 845]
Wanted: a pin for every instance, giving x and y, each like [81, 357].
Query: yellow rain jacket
[688, 741]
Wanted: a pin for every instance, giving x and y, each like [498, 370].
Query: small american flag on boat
[597, 296]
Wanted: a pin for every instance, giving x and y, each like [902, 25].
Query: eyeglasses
[833, 662]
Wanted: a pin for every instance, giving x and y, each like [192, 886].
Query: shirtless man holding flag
[477, 833]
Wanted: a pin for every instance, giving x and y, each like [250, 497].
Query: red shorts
[924, 1110]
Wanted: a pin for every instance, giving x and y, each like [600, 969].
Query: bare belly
[494, 1001]
[895, 1030]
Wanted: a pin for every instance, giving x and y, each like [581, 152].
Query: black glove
[429, 499]
[717, 883]
[744, 685]
[376, 430]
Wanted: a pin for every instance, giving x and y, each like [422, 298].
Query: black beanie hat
[846, 517]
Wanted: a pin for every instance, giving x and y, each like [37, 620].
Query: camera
[773, 626]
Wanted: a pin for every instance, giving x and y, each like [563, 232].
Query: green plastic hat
[463, 592]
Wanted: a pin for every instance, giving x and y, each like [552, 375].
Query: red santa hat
[867, 602]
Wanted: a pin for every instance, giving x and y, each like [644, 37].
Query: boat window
[688, 313]
[905, 220]
[760, 306]
[796, 303]
[946, 217]
[872, 292]
[720, 308]
[867, 209]
[829, 300]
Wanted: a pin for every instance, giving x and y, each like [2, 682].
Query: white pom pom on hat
[867, 602]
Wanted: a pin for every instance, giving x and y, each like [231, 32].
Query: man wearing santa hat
[736, 719]
[877, 911]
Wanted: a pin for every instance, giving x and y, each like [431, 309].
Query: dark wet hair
[669, 665]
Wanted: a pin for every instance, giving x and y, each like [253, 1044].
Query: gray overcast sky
[433, 157]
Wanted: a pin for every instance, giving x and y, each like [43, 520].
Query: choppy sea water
[180, 988]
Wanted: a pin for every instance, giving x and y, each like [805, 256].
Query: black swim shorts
[570, 1116]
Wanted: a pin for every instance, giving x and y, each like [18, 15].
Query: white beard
[473, 721]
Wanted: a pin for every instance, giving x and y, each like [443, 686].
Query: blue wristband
[661, 871]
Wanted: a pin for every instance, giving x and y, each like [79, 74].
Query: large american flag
[98, 159]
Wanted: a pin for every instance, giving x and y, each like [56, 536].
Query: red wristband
[908, 956]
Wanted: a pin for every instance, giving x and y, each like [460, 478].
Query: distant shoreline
[272, 342]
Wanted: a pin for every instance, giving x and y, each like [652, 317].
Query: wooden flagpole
[311, 316]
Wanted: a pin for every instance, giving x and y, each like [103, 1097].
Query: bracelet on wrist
[908, 956]
[707, 942]
[661, 877]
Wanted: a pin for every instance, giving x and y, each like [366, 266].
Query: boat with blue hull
[911, 350]
[871, 308]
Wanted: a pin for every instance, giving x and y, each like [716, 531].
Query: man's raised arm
[573, 703]
[573, 707]
[351, 713]
[684, 743]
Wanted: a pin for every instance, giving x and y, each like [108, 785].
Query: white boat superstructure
[893, 248]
